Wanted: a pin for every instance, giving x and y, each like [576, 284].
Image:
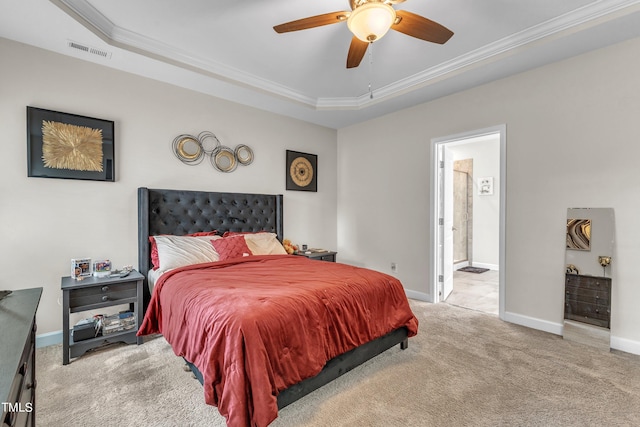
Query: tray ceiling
[230, 50]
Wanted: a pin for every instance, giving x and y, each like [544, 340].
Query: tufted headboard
[181, 212]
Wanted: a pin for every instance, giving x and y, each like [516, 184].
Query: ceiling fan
[369, 20]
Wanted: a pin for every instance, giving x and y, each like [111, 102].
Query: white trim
[50, 338]
[436, 143]
[532, 322]
[85, 13]
[617, 343]
[495, 267]
[626, 345]
[420, 296]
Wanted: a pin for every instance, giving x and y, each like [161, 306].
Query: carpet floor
[464, 368]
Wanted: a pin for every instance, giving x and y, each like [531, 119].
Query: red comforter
[257, 325]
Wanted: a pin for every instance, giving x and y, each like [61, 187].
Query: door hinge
[441, 278]
[441, 164]
[440, 221]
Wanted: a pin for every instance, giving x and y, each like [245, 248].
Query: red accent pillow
[231, 247]
[155, 260]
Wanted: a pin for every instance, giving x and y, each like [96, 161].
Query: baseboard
[50, 338]
[532, 322]
[617, 343]
[485, 265]
[420, 296]
[626, 345]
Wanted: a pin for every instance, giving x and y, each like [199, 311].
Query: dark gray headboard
[181, 212]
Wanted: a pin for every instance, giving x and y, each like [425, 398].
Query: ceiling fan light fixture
[371, 21]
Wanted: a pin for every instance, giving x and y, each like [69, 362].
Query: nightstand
[320, 256]
[95, 293]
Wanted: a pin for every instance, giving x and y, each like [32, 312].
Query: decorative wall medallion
[301, 171]
[191, 150]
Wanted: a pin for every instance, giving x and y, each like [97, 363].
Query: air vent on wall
[89, 49]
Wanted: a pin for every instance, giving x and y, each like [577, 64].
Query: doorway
[480, 198]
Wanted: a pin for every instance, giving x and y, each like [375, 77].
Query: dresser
[18, 357]
[588, 299]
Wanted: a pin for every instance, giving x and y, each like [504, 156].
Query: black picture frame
[301, 171]
[36, 162]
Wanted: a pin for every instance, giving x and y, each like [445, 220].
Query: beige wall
[46, 222]
[572, 141]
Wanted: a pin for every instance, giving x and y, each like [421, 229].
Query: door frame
[437, 230]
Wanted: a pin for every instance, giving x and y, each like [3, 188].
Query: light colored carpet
[464, 368]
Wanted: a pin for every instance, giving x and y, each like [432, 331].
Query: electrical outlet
[394, 267]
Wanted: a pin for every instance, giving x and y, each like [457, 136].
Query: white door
[446, 214]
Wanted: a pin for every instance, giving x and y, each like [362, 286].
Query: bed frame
[180, 212]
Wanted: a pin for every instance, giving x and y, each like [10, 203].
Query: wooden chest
[588, 299]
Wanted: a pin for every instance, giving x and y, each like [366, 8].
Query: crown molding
[91, 18]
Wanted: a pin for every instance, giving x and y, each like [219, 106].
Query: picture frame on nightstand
[80, 268]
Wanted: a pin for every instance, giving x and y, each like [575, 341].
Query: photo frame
[301, 171]
[69, 146]
[485, 186]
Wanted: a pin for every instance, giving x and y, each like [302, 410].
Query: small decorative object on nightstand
[319, 254]
[93, 293]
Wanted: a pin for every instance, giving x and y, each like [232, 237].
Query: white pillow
[179, 251]
[264, 244]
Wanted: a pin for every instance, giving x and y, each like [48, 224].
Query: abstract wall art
[579, 234]
[61, 145]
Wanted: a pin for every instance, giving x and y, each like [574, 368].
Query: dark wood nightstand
[320, 256]
[92, 294]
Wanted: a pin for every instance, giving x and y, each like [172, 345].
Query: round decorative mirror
[188, 149]
[223, 159]
[244, 154]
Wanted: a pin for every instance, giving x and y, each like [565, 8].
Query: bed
[260, 330]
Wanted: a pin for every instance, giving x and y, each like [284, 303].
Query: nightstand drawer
[319, 255]
[100, 294]
[330, 258]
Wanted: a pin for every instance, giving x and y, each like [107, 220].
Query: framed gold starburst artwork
[62, 145]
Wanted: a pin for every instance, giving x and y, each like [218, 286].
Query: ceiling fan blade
[312, 22]
[420, 27]
[356, 52]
